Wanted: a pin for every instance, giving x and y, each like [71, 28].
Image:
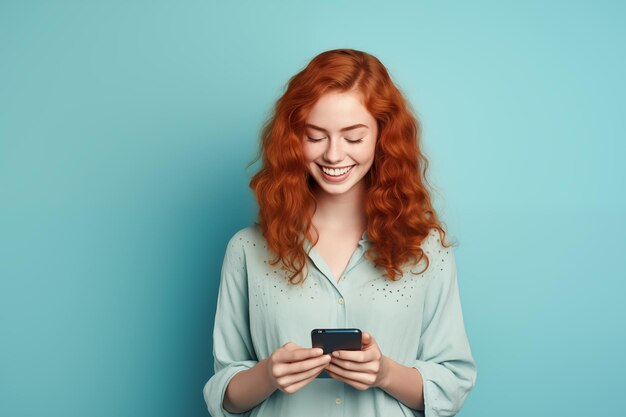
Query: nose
[334, 151]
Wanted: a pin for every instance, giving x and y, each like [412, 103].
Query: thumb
[367, 338]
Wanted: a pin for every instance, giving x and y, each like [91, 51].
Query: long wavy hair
[398, 205]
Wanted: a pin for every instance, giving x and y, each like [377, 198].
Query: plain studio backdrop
[125, 129]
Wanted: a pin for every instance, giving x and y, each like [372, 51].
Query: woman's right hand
[292, 366]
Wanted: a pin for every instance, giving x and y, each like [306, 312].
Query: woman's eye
[319, 139]
[355, 141]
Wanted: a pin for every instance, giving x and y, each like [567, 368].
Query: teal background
[125, 129]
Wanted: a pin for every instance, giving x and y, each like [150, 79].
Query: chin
[335, 190]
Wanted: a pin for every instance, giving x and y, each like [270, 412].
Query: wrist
[268, 381]
[386, 365]
[248, 388]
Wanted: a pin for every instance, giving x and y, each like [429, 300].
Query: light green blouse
[417, 321]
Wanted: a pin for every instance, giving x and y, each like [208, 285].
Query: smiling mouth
[336, 172]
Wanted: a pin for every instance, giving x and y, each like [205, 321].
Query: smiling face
[339, 142]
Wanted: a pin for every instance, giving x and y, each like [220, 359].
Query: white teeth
[336, 172]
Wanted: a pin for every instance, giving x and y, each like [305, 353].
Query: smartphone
[331, 340]
[336, 339]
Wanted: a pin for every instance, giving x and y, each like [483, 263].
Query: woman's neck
[341, 211]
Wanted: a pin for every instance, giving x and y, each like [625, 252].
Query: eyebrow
[341, 130]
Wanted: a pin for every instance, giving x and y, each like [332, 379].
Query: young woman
[347, 238]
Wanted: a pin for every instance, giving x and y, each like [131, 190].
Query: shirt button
[341, 300]
[338, 401]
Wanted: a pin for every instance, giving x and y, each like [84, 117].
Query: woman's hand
[292, 366]
[362, 369]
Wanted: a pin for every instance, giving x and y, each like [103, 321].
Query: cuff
[215, 388]
[442, 397]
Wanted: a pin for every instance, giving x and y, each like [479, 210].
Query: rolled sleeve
[444, 356]
[233, 350]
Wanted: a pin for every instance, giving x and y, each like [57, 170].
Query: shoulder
[432, 242]
[245, 239]
[241, 254]
[248, 234]
[441, 258]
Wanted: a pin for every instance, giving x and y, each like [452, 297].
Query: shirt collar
[365, 243]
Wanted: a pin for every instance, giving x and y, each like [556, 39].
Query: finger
[353, 366]
[307, 364]
[368, 339]
[291, 346]
[295, 387]
[354, 355]
[288, 368]
[292, 379]
[350, 382]
[298, 354]
[360, 377]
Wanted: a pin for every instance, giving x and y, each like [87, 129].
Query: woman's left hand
[362, 369]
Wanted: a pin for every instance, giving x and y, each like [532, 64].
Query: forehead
[336, 110]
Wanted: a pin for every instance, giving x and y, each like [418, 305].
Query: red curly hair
[398, 205]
